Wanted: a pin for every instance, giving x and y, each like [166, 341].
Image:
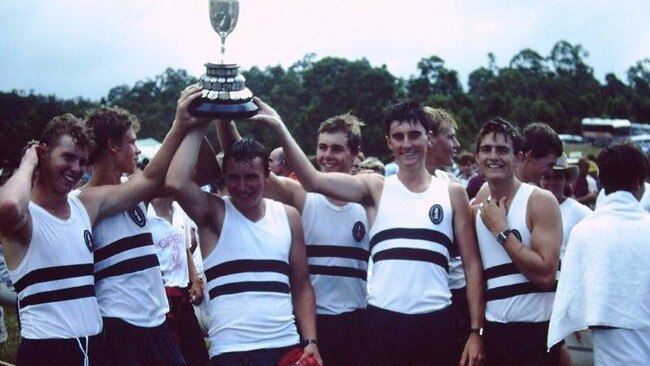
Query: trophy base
[206, 108]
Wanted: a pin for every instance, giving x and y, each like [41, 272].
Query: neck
[104, 173]
[254, 213]
[416, 180]
[53, 202]
[505, 188]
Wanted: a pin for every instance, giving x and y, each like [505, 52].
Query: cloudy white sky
[74, 48]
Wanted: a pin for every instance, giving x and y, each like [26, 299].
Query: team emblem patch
[358, 231]
[137, 216]
[435, 214]
[88, 238]
[517, 234]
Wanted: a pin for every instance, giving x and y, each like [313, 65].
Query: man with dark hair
[336, 238]
[129, 284]
[606, 268]
[541, 147]
[519, 232]
[253, 257]
[415, 220]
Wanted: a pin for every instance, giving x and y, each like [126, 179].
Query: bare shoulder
[542, 206]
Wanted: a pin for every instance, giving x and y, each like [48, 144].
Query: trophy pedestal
[225, 94]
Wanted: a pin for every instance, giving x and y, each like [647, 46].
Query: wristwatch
[478, 331]
[503, 236]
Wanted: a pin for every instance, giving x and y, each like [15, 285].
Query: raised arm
[465, 237]
[107, 200]
[15, 220]
[302, 294]
[363, 188]
[539, 262]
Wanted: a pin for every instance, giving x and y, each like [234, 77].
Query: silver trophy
[225, 94]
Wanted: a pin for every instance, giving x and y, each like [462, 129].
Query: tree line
[559, 89]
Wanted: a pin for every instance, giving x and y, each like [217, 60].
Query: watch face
[502, 237]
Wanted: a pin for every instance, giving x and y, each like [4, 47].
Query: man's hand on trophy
[183, 117]
[265, 114]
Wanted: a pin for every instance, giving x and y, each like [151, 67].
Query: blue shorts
[63, 352]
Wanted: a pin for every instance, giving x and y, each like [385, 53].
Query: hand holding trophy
[225, 94]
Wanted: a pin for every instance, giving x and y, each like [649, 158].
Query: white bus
[604, 131]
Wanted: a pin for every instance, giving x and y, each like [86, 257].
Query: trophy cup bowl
[225, 94]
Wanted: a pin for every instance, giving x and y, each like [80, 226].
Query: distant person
[357, 162]
[519, 230]
[279, 164]
[373, 164]
[585, 188]
[171, 231]
[606, 268]
[466, 165]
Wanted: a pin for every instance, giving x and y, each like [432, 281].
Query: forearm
[475, 299]
[539, 270]
[191, 268]
[297, 159]
[304, 305]
[227, 133]
[157, 169]
[180, 171]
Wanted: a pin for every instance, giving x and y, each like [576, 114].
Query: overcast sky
[74, 48]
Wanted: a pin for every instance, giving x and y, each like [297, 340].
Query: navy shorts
[63, 352]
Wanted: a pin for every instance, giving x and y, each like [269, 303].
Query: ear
[431, 139]
[112, 146]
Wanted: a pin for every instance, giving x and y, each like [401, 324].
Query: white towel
[606, 270]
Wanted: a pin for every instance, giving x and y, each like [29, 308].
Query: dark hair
[109, 123]
[540, 139]
[466, 157]
[66, 124]
[246, 149]
[408, 112]
[500, 126]
[622, 166]
[347, 123]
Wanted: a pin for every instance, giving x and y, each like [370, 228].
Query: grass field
[8, 349]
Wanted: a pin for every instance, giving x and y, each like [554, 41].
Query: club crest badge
[435, 214]
[138, 216]
[358, 231]
[88, 238]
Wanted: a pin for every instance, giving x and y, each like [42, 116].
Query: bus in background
[604, 131]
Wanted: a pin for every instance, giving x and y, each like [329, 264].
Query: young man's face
[444, 148]
[127, 153]
[245, 182]
[409, 142]
[63, 164]
[466, 168]
[532, 168]
[333, 153]
[496, 157]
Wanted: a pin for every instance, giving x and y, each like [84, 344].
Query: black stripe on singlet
[249, 286]
[53, 273]
[505, 292]
[412, 254]
[122, 245]
[337, 271]
[418, 234]
[58, 295]
[128, 266]
[246, 265]
[500, 270]
[337, 251]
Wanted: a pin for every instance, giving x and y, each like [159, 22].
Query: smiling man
[519, 231]
[253, 256]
